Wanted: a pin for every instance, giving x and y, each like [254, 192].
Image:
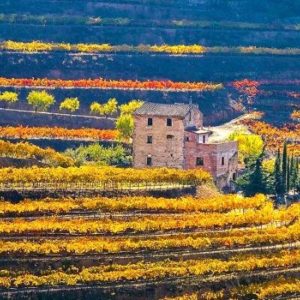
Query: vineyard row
[221, 203]
[265, 290]
[154, 270]
[121, 21]
[251, 217]
[233, 239]
[38, 46]
[21, 132]
[91, 176]
[29, 151]
[101, 83]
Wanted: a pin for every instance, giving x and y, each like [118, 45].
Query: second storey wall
[212, 155]
[166, 149]
[194, 118]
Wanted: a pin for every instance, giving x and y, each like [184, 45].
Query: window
[223, 161]
[150, 121]
[234, 176]
[199, 161]
[149, 160]
[169, 136]
[149, 139]
[190, 116]
[169, 122]
[204, 139]
[187, 139]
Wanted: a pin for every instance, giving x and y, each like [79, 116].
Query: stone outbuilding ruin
[172, 135]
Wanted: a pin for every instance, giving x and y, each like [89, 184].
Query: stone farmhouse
[172, 135]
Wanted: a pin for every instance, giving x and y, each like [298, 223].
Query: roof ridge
[165, 109]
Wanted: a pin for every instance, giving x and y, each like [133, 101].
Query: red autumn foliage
[101, 83]
[58, 133]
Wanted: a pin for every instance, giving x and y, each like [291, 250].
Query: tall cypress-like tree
[293, 174]
[278, 175]
[256, 180]
[284, 168]
[288, 174]
[297, 185]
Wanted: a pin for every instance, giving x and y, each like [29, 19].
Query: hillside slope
[210, 23]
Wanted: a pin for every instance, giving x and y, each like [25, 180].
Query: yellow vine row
[90, 175]
[265, 290]
[152, 223]
[26, 150]
[221, 203]
[38, 46]
[153, 270]
[234, 238]
[295, 115]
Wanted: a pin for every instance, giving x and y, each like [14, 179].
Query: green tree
[285, 166]
[288, 176]
[40, 100]
[70, 104]
[100, 155]
[257, 182]
[293, 174]
[125, 126]
[97, 109]
[130, 107]
[125, 122]
[256, 179]
[107, 109]
[250, 145]
[279, 188]
[110, 107]
[9, 97]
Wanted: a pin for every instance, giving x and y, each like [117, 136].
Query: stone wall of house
[212, 155]
[225, 174]
[174, 147]
[195, 118]
[166, 149]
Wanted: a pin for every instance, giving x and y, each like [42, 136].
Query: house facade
[172, 135]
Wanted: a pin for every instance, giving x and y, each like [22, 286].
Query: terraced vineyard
[133, 42]
[105, 232]
[156, 248]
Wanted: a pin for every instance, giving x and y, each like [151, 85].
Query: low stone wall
[11, 118]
